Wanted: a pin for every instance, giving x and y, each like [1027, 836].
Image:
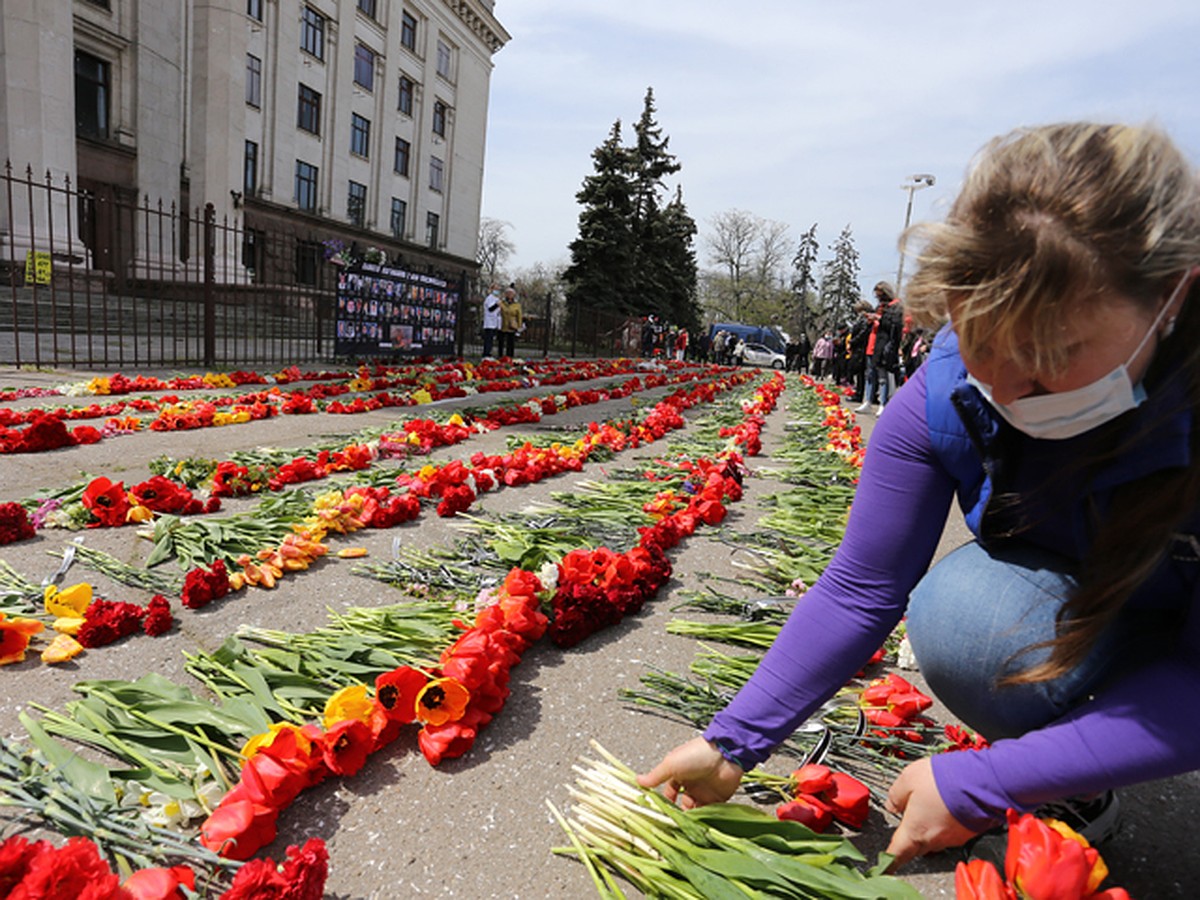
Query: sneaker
[1096, 817]
[866, 407]
[879, 410]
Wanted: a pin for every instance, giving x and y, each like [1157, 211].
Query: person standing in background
[491, 320]
[512, 322]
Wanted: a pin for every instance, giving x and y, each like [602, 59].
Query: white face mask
[1066, 414]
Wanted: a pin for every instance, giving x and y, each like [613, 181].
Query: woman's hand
[926, 825]
[694, 774]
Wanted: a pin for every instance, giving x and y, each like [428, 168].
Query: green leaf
[91, 779]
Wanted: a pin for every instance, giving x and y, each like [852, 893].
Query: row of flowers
[104, 505]
[590, 590]
[38, 430]
[455, 486]
[417, 371]
[38, 870]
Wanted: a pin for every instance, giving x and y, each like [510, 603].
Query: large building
[365, 119]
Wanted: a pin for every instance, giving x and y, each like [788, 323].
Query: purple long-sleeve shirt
[1145, 725]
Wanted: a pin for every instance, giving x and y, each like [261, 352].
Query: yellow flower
[62, 648]
[71, 602]
[457, 421]
[442, 700]
[427, 472]
[99, 386]
[68, 624]
[139, 514]
[267, 738]
[359, 384]
[349, 703]
[422, 396]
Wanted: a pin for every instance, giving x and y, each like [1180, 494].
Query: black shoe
[1096, 818]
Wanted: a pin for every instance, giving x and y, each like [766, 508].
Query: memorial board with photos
[383, 310]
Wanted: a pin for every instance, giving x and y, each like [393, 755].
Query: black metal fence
[94, 277]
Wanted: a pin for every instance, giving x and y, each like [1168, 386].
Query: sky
[814, 111]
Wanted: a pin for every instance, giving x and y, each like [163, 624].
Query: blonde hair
[1048, 218]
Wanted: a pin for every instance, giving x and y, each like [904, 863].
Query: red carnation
[158, 616]
[108, 621]
[14, 523]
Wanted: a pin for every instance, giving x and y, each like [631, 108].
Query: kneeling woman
[1059, 402]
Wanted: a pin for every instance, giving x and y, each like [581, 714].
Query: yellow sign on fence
[37, 267]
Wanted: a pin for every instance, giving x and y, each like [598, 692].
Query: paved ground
[476, 827]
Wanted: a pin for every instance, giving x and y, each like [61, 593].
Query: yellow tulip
[72, 601]
[349, 703]
[68, 624]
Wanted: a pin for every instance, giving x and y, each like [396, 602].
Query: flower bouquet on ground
[726, 850]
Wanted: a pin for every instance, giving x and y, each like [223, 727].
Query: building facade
[365, 119]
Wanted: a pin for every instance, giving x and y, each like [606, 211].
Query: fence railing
[96, 278]
[93, 277]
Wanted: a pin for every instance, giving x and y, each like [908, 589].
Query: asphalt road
[476, 827]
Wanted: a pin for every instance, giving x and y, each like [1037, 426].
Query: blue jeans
[879, 383]
[970, 620]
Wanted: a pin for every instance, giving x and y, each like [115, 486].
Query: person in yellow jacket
[512, 322]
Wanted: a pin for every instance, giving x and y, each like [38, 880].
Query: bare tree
[731, 248]
[495, 248]
[752, 254]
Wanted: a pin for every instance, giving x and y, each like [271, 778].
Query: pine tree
[634, 255]
[603, 256]
[804, 282]
[672, 253]
[839, 285]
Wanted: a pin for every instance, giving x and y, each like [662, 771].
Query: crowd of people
[874, 353]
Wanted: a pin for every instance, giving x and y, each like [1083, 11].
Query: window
[103, 4]
[406, 95]
[399, 214]
[360, 135]
[402, 151]
[364, 67]
[250, 169]
[439, 118]
[356, 203]
[254, 9]
[436, 171]
[367, 6]
[308, 262]
[432, 222]
[92, 89]
[308, 116]
[443, 59]
[312, 32]
[251, 242]
[306, 186]
[253, 80]
[408, 31]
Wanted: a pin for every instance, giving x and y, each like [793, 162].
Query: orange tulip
[14, 638]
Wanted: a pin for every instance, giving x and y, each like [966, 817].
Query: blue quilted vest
[975, 445]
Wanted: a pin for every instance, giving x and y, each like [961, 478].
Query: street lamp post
[912, 185]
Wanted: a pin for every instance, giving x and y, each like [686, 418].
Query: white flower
[904, 655]
[548, 575]
[169, 812]
[210, 795]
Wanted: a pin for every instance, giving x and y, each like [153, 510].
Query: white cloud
[809, 111]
